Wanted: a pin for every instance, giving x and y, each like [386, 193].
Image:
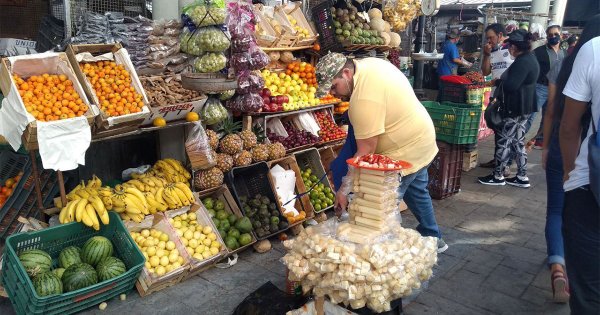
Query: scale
[429, 8]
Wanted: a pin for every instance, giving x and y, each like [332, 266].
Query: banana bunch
[129, 202]
[175, 195]
[172, 171]
[148, 184]
[83, 191]
[91, 211]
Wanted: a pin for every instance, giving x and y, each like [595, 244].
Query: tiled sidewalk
[495, 263]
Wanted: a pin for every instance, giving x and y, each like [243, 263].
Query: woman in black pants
[518, 87]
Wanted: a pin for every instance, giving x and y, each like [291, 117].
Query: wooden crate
[269, 37]
[470, 160]
[121, 56]
[222, 193]
[327, 156]
[294, 10]
[148, 283]
[197, 266]
[303, 203]
[51, 63]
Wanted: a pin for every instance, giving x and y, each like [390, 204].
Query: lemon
[164, 237]
[192, 116]
[148, 243]
[184, 241]
[140, 239]
[215, 244]
[184, 229]
[169, 268]
[214, 250]
[147, 265]
[160, 271]
[202, 237]
[171, 221]
[193, 223]
[198, 256]
[145, 233]
[133, 234]
[206, 254]
[145, 255]
[151, 251]
[179, 233]
[207, 242]
[173, 258]
[190, 250]
[193, 243]
[180, 260]
[154, 261]
[170, 245]
[184, 217]
[177, 218]
[207, 229]
[164, 260]
[174, 252]
[192, 216]
[197, 235]
[177, 224]
[159, 122]
[161, 245]
[160, 252]
[212, 236]
[176, 265]
[200, 249]
[151, 270]
[188, 234]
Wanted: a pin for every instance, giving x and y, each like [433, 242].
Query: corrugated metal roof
[475, 2]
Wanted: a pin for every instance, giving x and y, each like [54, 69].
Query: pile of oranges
[305, 71]
[7, 190]
[329, 99]
[112, 84]
[49, 97]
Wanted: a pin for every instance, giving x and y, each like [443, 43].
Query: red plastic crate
[445, 171]
[484, 131]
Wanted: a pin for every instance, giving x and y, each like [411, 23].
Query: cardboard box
[121, 56]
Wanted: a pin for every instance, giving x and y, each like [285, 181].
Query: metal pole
[558, 11]
[420, 66]
[540, 7]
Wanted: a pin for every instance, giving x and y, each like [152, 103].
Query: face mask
[553, 40]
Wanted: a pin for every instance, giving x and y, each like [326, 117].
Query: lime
[329, 195]
[323, 205]
[308, 184]
[313, 178]
[308, 171]
[318, 207]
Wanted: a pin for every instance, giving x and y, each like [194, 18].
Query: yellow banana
[118, 209]
[104, 218]
[136, 183]
[138, 194]
[97, 204]
[166, 167]
[181, 196]
[83, 194]
[125, 216]
[91, 213]
[186, 191]
[158, 196]
[153, 190]
[64, 213]
[80, 207]
[148, 181]
[171, 199]
[131, 207]
[117, 200]
[153, 203]
[107, 201]
[105, 192]
[85, 218]
[137, 218]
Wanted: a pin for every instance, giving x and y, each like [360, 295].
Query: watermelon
[95, 249]
[109, 268]
[68, 256]
[59, 272]
[35, 261]
[77, 276]
[47, 283]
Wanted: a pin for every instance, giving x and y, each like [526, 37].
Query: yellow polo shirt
[384, 105]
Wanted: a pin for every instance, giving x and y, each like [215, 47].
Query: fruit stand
[236, 84]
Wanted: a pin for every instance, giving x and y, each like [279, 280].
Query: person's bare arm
[486, 65]
[366, 146]
[570, 133]
[457, 61]
[549, 116]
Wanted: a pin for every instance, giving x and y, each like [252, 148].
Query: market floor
[495, 263]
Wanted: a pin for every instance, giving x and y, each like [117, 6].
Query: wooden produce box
[149, 283]
[268, 36]
[38, 64]
[470, 160]
[176, 110]
[294, 11]
[197, 266]
[223, 194]
[302, 203]
[121, 57]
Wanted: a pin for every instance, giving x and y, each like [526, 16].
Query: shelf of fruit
[330, 132]
[296, 140]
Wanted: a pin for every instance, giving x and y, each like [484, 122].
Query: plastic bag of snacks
[210, 62]
[198, 149]
[206, 12]
[213, 112]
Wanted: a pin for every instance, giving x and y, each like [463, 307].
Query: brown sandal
[560, 287]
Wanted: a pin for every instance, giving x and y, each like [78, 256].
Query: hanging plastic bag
[198, 149]
[210, 62]
[206, 12]
[247, 103]
[249, 82]
[212, 39]
[213, 112]
[240, 19]
[242, 44]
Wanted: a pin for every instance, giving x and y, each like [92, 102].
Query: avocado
[265, 200]
[260, 232]
[233, 232]
[275, 213]
[225, 226]
[246, 208]
[275, 220]
[231, 243]
[257, 196]
[244, 225]
[265, 221]
[274, 227]
[219, 205]
[264, 207]
[232, 218]
[255, 202]
[283, 225]
[256, 224]
[208, 203]
[272, 206]
[245, 239]
[222, 215]
[263, 212]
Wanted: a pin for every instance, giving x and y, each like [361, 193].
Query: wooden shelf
[290, 112]
[267, 49]
[145, 129]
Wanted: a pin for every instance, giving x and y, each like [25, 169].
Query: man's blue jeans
[555, 204]
[541, 91]
[413, 190]
[581, 232]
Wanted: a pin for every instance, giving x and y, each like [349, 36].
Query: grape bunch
[394, 57]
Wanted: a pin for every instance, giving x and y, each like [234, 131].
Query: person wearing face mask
[449, 64]
[386, 118]
[496, 59]
[547, 56]
[517, 88]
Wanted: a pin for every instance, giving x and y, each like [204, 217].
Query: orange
[192, 116]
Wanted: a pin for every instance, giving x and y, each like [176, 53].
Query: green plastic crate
[455, 123]
[52, 240]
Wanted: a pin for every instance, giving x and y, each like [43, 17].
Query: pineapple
[276, 151]
[243, 158]
[224, 162]
[213, 139]
[231, 144]
[249, 139]
[207, 179]
[260, 153]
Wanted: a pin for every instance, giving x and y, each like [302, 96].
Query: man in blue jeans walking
[386, 118]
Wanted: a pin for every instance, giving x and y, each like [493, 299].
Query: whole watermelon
[59, 272]
[77, 276]
[47, 283]
[95, 249]
[109, 268]
[68, 256]
[35, 261]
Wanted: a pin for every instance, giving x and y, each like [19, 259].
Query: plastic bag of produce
[258, 58]
[240, 19]
[213, 112]
[249, 82]
[189, 44]
[242, 43]
[212, 39]
[249, 103]
[198, 149]
[210, 62]
[206, 12]
[227, 95]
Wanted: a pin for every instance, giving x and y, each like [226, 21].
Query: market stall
[237, 82]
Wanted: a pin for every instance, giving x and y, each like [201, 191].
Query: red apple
[266, 99]
[286, 99]
[266, 92]
[280, 99]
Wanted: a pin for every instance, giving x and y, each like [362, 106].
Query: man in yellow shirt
[388, 119]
